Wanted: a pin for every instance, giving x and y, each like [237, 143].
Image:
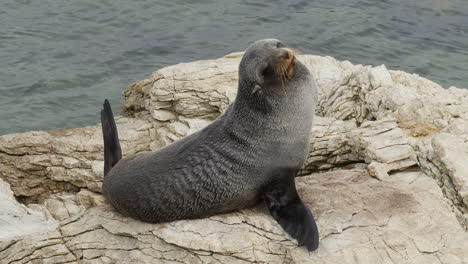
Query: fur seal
[249, 154]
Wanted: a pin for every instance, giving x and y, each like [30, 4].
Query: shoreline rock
[388, 155]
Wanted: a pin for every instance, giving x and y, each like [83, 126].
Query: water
[60, 59]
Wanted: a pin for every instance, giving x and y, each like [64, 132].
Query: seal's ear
[256, 88]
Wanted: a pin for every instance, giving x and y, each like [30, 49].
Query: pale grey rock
[384, 142]
[40, 163]
[64, 206]
[19, 220]
[329, 145]
[405, 201]
[163, 115]
[451, 153]
[366, 221]
[378, 170]
[431, 165]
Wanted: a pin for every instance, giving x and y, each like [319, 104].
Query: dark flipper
[287, 208]
[112, 151]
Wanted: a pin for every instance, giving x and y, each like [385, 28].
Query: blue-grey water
[60, 59]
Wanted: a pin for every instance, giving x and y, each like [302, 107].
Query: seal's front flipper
[287, 208]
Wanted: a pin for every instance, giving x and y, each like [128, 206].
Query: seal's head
[267, 65]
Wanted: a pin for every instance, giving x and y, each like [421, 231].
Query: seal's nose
[285, 54]
[285, 63]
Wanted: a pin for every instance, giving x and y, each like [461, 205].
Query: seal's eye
[279, 44]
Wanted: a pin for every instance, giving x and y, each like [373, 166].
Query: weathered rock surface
[40, 163]
[362, 220]
[18, 220]
[397, 192]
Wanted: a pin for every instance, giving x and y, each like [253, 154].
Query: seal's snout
[285, 54]
[285, 65]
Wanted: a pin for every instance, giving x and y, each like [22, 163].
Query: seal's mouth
[285, 67]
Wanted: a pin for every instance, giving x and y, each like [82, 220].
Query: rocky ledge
[387, 176]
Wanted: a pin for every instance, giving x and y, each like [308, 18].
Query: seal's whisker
[283, 78]
[279, 73]
[282, 71]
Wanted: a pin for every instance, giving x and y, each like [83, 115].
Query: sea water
[60, 59]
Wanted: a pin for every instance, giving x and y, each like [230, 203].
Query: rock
[387, 157]
[367, 221]
[18, 220]
[452, 153]
[329, 146]
[64, 206]
[40, 163]
[163, 115]
[378, 170]
[384, 142]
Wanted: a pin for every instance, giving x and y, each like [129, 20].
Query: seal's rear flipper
[112, 151]
[292, 214]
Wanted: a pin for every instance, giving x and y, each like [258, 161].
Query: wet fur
[251, 153]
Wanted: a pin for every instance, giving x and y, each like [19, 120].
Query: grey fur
[224, 166]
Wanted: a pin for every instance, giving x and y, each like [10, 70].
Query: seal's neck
[285, 115]
[291, 100]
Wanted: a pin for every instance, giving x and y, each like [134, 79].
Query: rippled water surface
[60, 59]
